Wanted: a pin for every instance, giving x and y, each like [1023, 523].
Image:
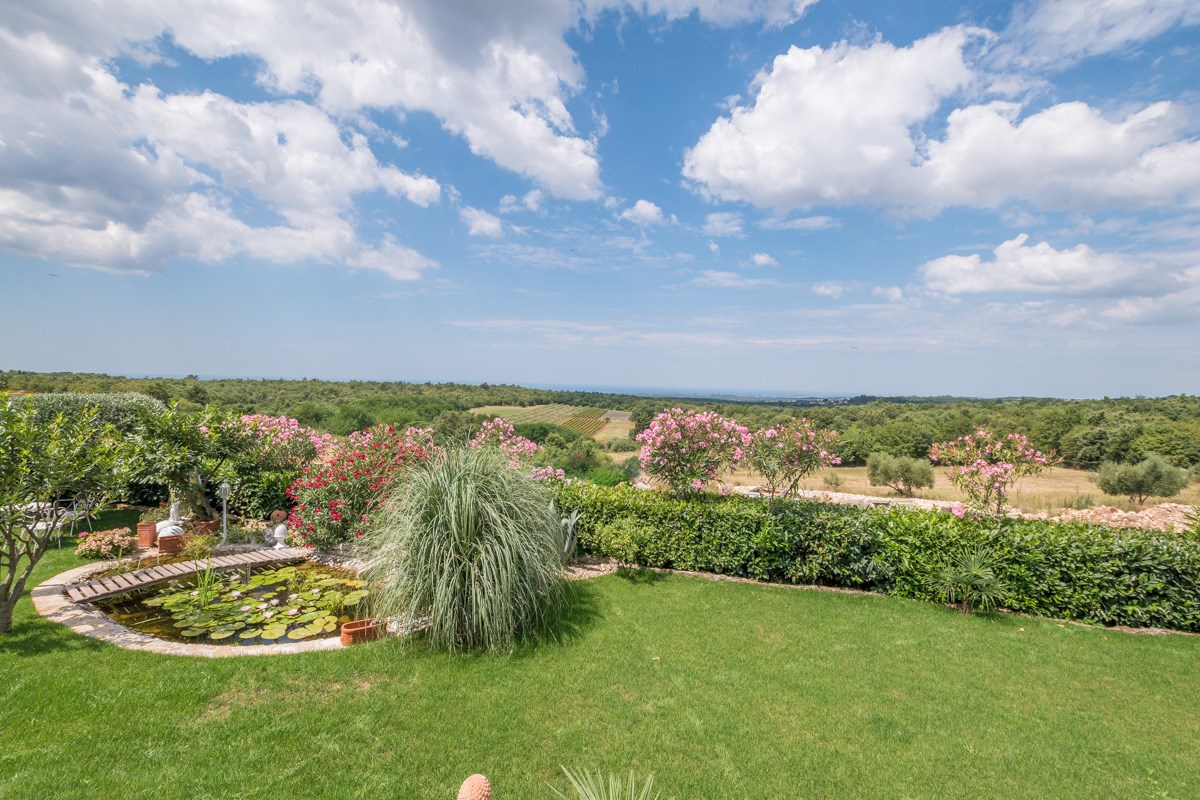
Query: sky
[786, 196]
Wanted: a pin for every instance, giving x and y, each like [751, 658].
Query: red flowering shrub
[334, 500]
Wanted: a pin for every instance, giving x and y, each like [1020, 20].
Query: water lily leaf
[272, 633]
[354, 597]
[250, 633]
[222, 633]
[191, 632]
[300, 633]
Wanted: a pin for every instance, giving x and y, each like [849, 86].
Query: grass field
[1057, 488]
[721, 690]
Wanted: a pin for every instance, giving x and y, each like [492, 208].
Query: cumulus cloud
[1020, 267]
[763, 260]
[100, 174]
[818, 222]
[1057, 32]
[480, 222]
[723, 223]
[643, 213]
[775, 13]
[799, 143]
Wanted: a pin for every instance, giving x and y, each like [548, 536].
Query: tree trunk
[6, 613]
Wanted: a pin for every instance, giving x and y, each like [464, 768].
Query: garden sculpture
[475, 787]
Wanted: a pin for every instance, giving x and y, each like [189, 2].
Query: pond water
[264, 605]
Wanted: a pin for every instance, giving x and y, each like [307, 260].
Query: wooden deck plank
[102, 588]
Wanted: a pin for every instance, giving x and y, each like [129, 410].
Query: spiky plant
[968, 578]
[595, 786]
[473, 545]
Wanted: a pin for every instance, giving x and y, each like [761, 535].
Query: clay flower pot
[205, 527]
[168, 544]
[147, 532]
[361, 630]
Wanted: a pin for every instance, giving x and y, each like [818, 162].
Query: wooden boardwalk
[139, 579]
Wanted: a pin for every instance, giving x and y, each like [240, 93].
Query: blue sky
[979, 198]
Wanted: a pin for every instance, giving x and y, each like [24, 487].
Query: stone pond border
[50, 600]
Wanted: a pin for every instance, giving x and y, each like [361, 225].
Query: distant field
[585, 420]
[1056, 488]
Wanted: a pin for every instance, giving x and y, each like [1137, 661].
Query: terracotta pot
[361, 630]
[168, 544]
[147, 532]
[206, 527]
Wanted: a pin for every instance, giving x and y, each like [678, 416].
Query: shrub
[687, 449]
[595, 786]
[832, 481]
[968, 578]
[334, 501]
[122, 410]
[474, 545]
[784, 454]
[1153, 477]
[498, 434]
[106, 544]
[901, 473]
[1105, 575]
[985, 466]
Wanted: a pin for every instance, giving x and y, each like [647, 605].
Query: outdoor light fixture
[223, 491]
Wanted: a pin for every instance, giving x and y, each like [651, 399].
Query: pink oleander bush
[784, 454]
[498, 433]
[106, 544]
[985, 465]
[334, 501]
[688, 449]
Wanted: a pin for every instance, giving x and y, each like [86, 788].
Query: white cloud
[801, 143]
[813, 223]
[1180, 305]
[1017, 267]
[714, 248]
[1057, 32]
[893, 293]
[828, 289]
[1066, 157]
[480, 222]
[729, 280]
[763, 260]
[643, 213]
[103, 175]
[831, 125]
[776, 13]
[723, 223]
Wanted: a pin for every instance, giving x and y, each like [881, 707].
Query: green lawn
[722, 690]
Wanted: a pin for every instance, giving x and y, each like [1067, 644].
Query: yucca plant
[968, 578]
[594, 786]
[473, 545]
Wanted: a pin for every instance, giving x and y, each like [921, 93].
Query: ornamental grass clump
[471, 544]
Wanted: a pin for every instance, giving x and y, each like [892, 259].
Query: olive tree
[1153, 477]
[44, 463]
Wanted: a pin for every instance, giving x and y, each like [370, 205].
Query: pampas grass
[473, 545]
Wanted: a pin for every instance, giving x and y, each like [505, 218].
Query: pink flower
[958, 510]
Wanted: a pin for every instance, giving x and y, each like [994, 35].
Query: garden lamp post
[223, 490]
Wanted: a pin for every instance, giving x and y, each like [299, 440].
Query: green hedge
[122, 410]
[1095, 574]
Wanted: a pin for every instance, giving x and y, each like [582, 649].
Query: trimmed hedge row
[1095, 574]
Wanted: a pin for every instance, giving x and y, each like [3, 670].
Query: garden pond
[249, 606]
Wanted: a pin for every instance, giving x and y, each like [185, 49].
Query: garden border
[50, 601]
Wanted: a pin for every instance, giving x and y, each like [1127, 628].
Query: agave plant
[473, 545]
[968, 578]
[595, 786]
